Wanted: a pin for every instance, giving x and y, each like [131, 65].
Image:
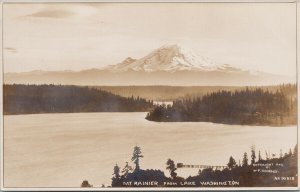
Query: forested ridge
[171, 93]
[248, 106]
[32, 99]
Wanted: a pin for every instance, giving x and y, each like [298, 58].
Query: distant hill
[98, 77]
[31, 99]
[170, 93]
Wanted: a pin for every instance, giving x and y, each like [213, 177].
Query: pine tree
[136, 156]
[296, 150]
[116, 171]
[126, 169]
[245, 160]
[259, 155]
[172, 168]
[253, 156]
[231, 164]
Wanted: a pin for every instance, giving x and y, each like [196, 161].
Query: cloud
[64, 11]
[10, 49]
[52, 14]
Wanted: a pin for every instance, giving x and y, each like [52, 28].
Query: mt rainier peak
[170, 58]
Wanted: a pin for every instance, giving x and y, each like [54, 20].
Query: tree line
[248, 173]
[31, 99]
[247, 106]
[252, 172]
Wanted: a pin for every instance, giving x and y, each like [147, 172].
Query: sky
[77, 36]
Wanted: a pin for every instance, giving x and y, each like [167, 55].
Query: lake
[62, 150]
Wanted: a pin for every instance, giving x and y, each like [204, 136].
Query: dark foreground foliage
[246, 107]
[31, 99]
[268, 172]
[276, 172]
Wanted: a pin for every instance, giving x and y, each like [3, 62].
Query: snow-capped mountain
[167, 65]
[170, 58]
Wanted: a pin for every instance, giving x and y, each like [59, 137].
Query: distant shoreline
[224, 123]
[213, 122]
[145, 112]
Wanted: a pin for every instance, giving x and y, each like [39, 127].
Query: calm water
[61, 150]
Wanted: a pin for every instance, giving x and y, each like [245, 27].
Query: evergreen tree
[172, 168]
[126, 169]
[116, 171]
[136, 156]
[245, 160]
[259, 156]
[231, 164]
[116, 180]
[253, 156]
[296, 150]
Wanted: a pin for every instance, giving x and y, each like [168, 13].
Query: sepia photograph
[139, 95]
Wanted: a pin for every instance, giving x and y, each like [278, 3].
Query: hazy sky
[74, 36]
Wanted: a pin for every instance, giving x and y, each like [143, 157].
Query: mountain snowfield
[170, 58]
